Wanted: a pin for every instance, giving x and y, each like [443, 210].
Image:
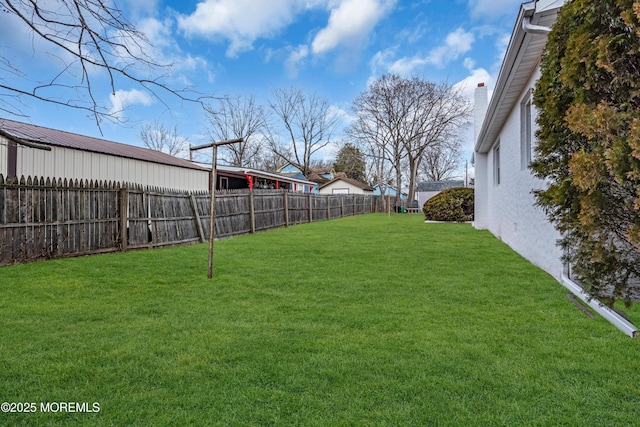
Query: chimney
[479, 108]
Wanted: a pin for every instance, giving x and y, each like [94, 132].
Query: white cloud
[469, 63]
[468, 85]
[294, 59]
[405, 66]
[380, 63]
[349, 23]
[158, 32]
[165, 50]
[240, 21]
[456, 43]
[123, 98]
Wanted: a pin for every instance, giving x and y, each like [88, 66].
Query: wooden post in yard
[212, 207]
[328, 208]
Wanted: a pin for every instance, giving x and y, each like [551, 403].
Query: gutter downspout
[614, 318]
[528, 27]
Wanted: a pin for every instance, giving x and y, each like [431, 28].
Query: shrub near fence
[52, 218]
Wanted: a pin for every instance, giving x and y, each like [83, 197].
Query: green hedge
[453, 204]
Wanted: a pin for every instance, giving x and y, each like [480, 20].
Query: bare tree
[156, 136]
[406, 117]
[268, 161]
[379, 171]
[440, 162]
[441, 114]
[308, 121]
[239, 117]
[85, 38]
[378, 115]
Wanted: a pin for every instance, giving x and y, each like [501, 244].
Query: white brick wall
[508, 210]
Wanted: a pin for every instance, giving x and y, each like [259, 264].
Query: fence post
[310, 207]
[341, 206]
[252, 213]
[194, 207]
[286, 209]
[124, 213]
[328, 198]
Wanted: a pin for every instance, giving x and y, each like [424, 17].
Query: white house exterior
[343, 185]
[79, 157]
[505, 136]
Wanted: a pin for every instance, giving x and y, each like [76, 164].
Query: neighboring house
[344, 185]
[505, 137]
[319, 176]
[387, 190]
[74, 156]
[324, 175]
[232, 178]
[291, 171]
[427, 189]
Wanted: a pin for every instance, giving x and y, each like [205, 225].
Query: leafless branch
[85, 36]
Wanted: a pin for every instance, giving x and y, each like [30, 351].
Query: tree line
[399, 130]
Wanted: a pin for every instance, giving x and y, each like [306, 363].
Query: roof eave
[520, 62]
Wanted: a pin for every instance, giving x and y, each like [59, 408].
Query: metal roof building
[68, 155]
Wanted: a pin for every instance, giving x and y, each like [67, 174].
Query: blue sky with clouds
[236, 47]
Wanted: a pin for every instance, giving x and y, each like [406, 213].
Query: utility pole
[212, 208]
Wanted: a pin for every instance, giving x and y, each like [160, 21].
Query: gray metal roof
[60, 138]
[438, 185]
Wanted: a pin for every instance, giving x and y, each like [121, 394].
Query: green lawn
[361, 321]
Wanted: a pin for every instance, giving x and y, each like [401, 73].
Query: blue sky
[241, 47]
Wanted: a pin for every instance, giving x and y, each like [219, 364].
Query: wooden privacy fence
[52, 218]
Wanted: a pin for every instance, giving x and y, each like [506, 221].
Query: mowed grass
[367, 320]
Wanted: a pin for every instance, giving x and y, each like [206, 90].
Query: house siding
[507, 208]
[63, 162]
[343, 185]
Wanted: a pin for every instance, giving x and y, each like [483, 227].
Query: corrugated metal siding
[85, 143]
[70, 163]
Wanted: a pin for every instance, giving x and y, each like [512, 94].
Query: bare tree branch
[156, 136]
[441, 161]
[238, 117]
[85, 36]
[309, 122]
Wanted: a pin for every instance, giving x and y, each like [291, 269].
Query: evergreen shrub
[453, 204]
